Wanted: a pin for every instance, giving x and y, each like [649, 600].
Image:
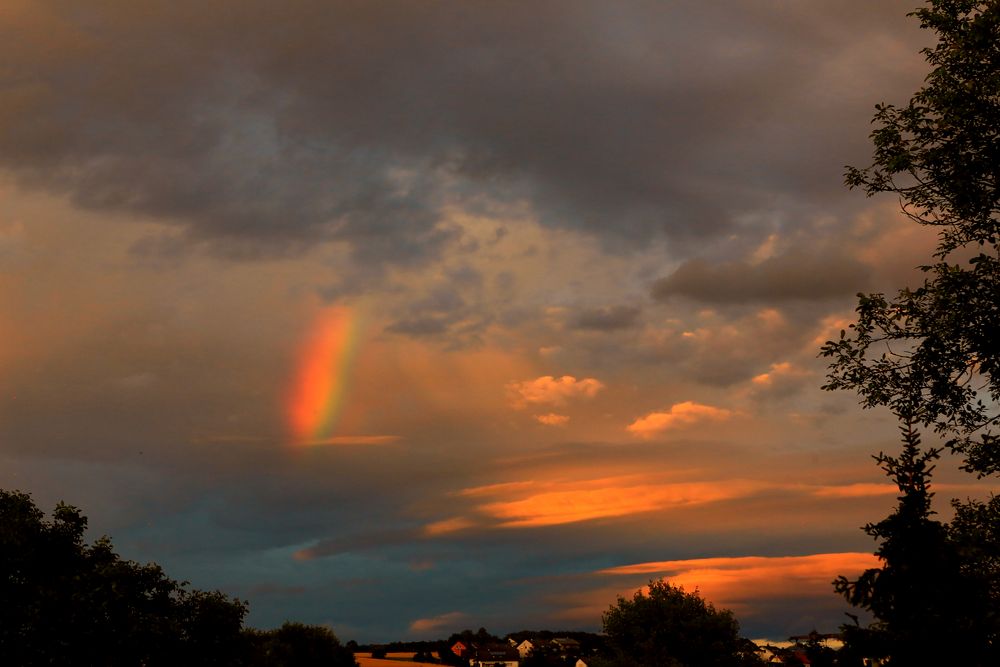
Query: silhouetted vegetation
[931, 355]
[672, 628]
[298, 645]
[927, 605]
[64, 602]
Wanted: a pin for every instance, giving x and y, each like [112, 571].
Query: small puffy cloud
[777, 370]
[552, 419]
[436, 622]
[552, 391]
[446, 526]
[679, 414]
[781, 379]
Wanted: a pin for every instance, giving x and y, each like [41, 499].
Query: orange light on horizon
[601, 499]
[736, 583]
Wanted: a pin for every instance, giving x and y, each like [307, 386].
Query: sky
[409, 317]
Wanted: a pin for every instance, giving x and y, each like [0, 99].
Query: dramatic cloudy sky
[405, 317]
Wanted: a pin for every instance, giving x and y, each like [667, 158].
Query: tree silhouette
[932, 353]
[299, 645]
[66, 602]
[671, 628]
[930, 609]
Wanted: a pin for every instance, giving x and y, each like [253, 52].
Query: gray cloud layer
[804, 276]
[262, 129]
[156, 399]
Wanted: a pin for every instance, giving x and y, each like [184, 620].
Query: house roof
[566, 642]
[498, 652]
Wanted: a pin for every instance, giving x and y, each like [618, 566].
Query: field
[390, 660]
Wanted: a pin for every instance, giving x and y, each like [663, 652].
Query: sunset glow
[681, 414]
[743, 583]
[597, 499]
[401, 319]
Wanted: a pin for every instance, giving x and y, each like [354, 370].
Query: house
[772, 655]
[495, 655]
[459, 649]
[565, 647]
[525, 648]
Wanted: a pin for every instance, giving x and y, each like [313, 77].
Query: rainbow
[320, 384]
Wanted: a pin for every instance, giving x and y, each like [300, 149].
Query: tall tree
[932, 354]
[929, 608]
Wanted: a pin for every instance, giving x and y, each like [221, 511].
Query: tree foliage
[64, 602]
[298, 645]
[671, 628]
[931, 353]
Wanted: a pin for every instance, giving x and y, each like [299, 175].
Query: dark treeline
[66, 602]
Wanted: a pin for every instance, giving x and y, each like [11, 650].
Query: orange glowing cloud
[857, 490]
[735, 583]
[446, 526]
[552, 391]
[435, 622]
[496, 489]
[731, 580]
[782, 370]
[552, 419]
[680, 414]
[570, 502]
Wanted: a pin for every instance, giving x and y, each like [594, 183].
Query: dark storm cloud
[456, 307]
[610, 318]
[796, 275]
[257, 125]
[419, 326]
